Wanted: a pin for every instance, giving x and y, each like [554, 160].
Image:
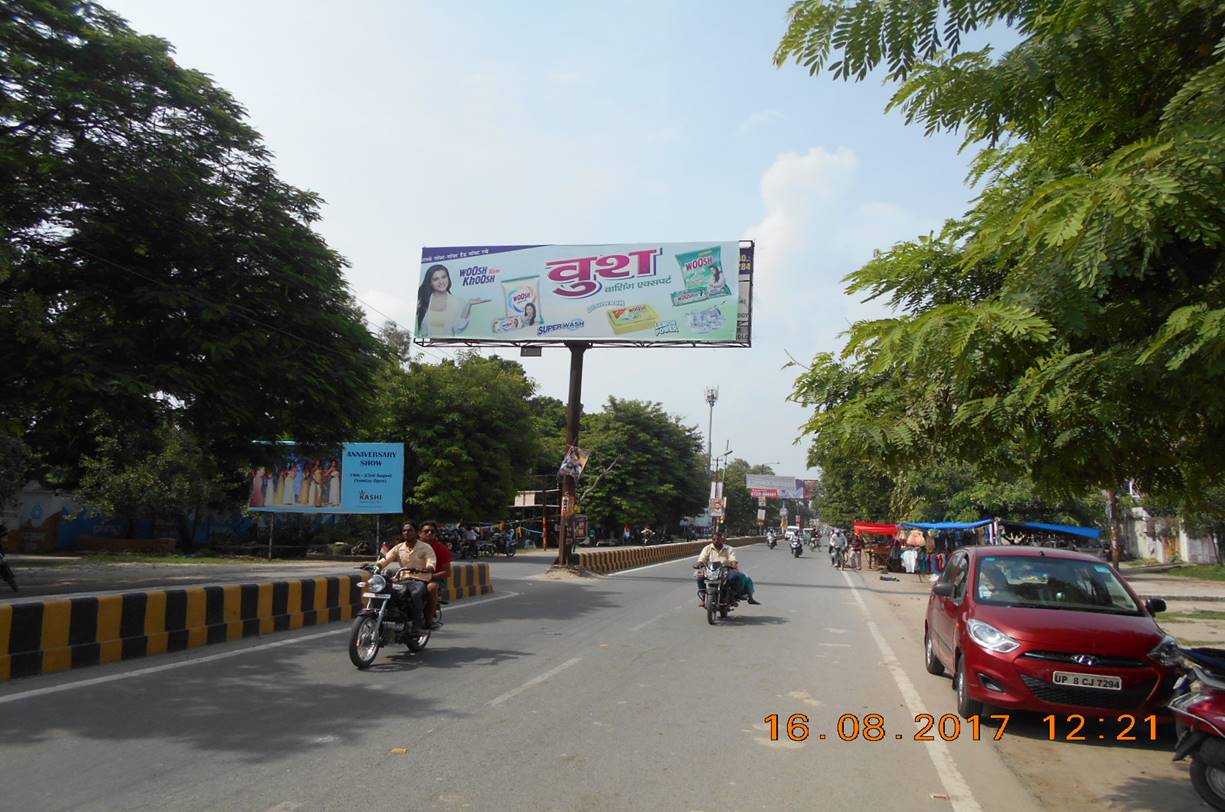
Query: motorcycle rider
[770, 537]
[411, 555]
[837, 546]
[442, 572]
[720, 551]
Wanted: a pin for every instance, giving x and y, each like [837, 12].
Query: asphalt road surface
[602, 694]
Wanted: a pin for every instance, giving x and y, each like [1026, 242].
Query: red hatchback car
[1031, 628]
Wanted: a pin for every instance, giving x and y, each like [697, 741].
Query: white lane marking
[225, 655]
[647, 567]
[951, 779]
[835, 645]
[645, 623]
[534, 681]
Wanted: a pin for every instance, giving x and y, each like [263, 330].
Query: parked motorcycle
[720, 597]
[797, 547]
[386, 618]
[6, 572]
[1199, 711]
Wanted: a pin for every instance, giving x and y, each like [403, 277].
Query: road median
[605, 562]
[58, 634]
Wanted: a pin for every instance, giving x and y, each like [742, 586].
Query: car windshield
[1043, 582]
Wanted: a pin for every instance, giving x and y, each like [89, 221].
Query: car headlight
[377, 583]
[990, 637]
[1166, 652]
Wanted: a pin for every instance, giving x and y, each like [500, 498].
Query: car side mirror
[943, 589]
[1154, 605]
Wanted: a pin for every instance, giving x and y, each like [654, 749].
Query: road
[597, 694]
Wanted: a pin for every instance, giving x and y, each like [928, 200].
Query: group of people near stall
[923, 548]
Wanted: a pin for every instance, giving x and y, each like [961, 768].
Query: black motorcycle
[386, 618]
[771, 542]
[6, 572]
[720, 596]
[797, 548]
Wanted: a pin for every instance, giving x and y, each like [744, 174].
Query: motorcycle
[771, 542]
[387, 618]
[814, 545]
[6, 572]
[720, 597]
[836, 555]
[1198, 705]
[509, 547]
[797, 547]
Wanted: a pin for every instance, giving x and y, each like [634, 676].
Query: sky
[489, 123]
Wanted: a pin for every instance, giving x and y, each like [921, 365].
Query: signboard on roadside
[354, 478]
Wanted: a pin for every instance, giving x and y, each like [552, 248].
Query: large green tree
[651, 466]
[470, 434]
[741, 506]
[151, 261]
[1071, 326]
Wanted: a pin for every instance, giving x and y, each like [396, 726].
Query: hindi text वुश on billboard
[684, 293]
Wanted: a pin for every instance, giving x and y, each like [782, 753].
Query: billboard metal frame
[609, 342]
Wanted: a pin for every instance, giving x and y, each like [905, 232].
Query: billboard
[775, 487]
[689, 293]
[355, 478]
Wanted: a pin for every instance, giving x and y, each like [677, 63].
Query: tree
[152, 265]
[741, 506]
[163, 474]
[469, 433]
[1070, 325]
[660, 475]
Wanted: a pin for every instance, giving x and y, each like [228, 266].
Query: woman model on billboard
[439, 312]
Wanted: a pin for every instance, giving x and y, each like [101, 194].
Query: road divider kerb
[608, 561]
[58, 634]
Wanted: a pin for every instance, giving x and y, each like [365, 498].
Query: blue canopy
[945, 525]
[1066, 529]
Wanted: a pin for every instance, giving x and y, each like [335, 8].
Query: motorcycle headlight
[377, 583]
[1166, 652]
[990, 637]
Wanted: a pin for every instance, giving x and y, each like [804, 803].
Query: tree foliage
[469, 432]
[151, 262]
[161, 474]
[659, 473]
[1068, 328]
[741, 506]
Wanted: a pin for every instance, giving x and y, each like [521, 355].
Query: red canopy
[875, 529]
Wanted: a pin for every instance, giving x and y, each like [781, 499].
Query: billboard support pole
[271, 532]
[573, 412]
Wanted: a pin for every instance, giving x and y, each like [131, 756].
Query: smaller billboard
[354, 478]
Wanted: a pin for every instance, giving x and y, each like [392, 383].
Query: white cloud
[759, 119]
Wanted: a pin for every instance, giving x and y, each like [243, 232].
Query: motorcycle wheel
[364, 642]
[723, 612]
[1209, 782]
[419, 642]
[711, 603]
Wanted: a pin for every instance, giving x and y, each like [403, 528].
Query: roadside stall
[940, 539]
[1063, 536]
[877, 553]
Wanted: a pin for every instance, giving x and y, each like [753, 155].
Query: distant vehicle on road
[1054, 631]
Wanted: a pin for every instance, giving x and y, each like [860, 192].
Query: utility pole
[569, 484]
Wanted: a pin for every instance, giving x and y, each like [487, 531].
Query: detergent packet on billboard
[522, 298]
[704, 269]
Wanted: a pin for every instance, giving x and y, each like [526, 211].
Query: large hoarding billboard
[354, 478]
[775, 487]
[637, 293]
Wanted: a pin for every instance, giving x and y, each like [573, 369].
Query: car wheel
[966, 706]
[930, 660]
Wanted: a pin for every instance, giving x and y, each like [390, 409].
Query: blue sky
[500, 123]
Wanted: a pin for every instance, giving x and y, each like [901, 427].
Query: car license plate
[1076, 680]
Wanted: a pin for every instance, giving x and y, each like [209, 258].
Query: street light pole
[712, 395]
